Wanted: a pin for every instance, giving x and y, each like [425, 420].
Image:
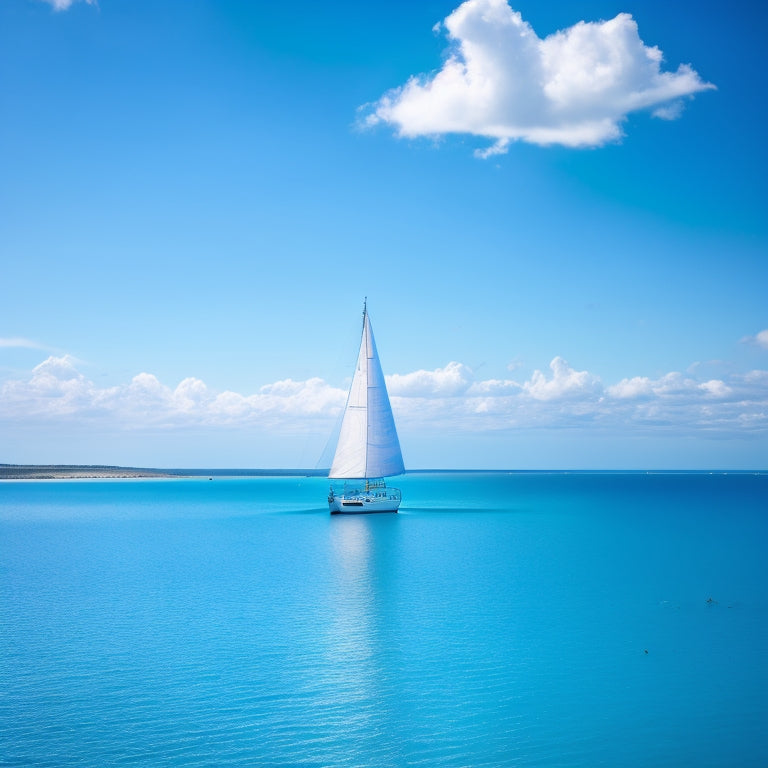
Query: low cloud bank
[448, 397]
[57, 390]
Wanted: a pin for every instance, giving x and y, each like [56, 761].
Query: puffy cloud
[495, 387]
[629, 389]
[759, 378]
[565, 382]
[229, 406]
[671, 111]
[715, 388]
[759, 339]
[282, 401]
[190, 394]
[310, 397]
[503, 82]
[55, 387]
[670, 385]
[451, 381]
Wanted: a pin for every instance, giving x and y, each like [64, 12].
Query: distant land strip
[73, 471]
[98, 471]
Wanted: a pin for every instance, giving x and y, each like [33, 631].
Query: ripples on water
[532, 620]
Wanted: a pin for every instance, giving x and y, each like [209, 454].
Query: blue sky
[561, 234]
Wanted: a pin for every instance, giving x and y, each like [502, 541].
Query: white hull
[376, 499]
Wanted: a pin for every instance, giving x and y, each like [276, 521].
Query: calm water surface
[499, 619]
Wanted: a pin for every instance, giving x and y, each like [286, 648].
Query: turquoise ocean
[501, 619]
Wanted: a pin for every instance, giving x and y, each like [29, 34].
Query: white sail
[368, 445]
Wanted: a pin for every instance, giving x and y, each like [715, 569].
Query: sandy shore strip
[73, 472]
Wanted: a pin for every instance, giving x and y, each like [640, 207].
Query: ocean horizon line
[107, 471]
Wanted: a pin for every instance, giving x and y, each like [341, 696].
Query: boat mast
[367, 343]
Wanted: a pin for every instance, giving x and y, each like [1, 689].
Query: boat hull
[375, 498]
[341, 507]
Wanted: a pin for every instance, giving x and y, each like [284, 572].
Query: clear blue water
[499, 619]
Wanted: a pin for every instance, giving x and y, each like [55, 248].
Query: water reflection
[351, 579]
[356, 673]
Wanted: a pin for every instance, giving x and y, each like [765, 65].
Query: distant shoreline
[74, 472]
[99, 471]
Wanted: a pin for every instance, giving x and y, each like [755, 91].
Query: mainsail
[368, 446]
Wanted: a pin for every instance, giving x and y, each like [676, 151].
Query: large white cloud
[503, 82]
[448, 398]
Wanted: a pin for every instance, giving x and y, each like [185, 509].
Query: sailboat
[368, 449]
